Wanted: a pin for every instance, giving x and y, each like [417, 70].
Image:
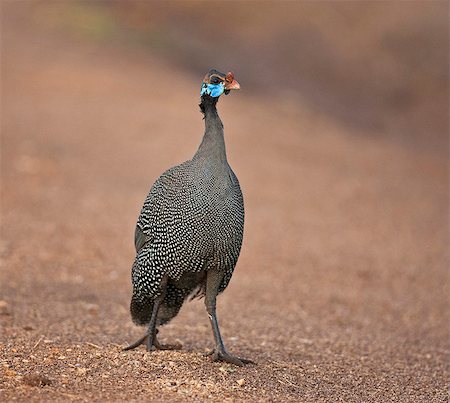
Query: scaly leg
[150, 336]
[156, 343]
[219, 353]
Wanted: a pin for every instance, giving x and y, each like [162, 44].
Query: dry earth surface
[341, 291]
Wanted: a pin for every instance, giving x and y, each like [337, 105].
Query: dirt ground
[341, 290]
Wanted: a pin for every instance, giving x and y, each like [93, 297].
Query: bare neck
[212, 146]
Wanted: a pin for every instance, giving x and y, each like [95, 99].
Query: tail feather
[141, 307]
[141, 310]
[172, 303]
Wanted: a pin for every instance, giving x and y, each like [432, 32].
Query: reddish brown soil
[341, 291]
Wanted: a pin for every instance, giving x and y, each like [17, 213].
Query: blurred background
[339, 137]
[377, 66]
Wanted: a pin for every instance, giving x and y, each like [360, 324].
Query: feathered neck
[212, 146]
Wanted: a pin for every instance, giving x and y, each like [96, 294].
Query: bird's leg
[149, 338]
[156, 343]
[219, 353]
[137, 343]
[151, 333]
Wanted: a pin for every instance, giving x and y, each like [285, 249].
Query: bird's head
[216, 83]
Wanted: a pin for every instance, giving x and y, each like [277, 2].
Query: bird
[189, 232]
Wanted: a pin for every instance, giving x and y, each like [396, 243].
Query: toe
[137, 343]
[225, 357]
[245, 361]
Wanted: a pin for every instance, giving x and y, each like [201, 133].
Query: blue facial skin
[214, 90]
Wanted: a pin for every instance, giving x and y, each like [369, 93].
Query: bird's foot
[137, 343]
[155, 343]
[223, 355]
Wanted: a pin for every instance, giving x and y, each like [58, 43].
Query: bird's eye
[214, 80]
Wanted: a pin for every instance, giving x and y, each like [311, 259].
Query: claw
[226, 357]
[156, 344]
[137, 343]
[247, 361]
[207, 354]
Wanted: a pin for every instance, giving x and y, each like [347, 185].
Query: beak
[233, 85]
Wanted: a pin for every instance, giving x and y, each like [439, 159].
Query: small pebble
[226, 369]
[36, 380]
[4, 308]
[81, 371]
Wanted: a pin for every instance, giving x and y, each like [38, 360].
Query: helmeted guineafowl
[189, 233]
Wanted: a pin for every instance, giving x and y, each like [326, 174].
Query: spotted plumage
[189, 232]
